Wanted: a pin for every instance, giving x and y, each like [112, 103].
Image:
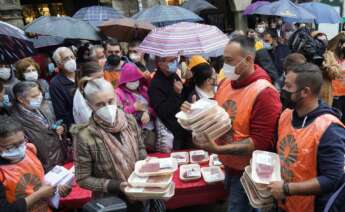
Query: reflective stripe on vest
[24, 178]
[297, 149]
[239, 105]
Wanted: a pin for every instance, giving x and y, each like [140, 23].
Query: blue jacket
[330, 154]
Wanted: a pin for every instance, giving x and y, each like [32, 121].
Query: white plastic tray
[146, 193]
[214, 161]
[154, 181]
[267, 158]
[165, 171]
[181, 157]
[198, 152]
[185, 168]
[212, 178]
[166, 196]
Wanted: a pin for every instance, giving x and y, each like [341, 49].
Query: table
[186, 193]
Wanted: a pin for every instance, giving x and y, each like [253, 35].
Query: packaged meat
[146, 193]
[262, 190]
[155, 167]
[162, 181]
[198, 156]
[265, 167]
[212, 174]
[214, 160]
[181, 157]
[190, 172]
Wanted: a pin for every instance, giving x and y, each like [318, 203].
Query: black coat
[166, 103]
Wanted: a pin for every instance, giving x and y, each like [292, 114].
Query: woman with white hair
[106, 149]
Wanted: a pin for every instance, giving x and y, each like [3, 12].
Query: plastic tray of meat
[190, 172]
[261, 190]
[198, 156]
[181, 157]
[212, 174]
[265, 167]
[155, 167]
[141, 194]
[214, 161]
[219, 115]
[162, 181]
[146, 193]
[199, 110]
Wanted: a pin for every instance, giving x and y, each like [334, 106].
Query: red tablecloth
[186, 193]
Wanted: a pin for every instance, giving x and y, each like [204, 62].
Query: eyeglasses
[13, 146]
[30, 70]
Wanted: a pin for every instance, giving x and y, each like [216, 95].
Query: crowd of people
[106, 107]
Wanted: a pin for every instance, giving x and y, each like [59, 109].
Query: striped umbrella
[162, 15]
[14, 45]
[95, 15]
[185, 39]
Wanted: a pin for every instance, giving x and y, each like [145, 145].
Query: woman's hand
[46, 191]
[139, 106]
[64, 190]
[145, 118]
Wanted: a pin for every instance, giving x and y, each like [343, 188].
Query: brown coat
[93, 166]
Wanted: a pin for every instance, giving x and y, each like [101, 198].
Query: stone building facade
[11, 12]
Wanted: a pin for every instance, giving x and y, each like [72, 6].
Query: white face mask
[70, 65]
[31, 76]
[134, 57]
[229, 72]
[133, 85]
[35, 104]
[260, 30]
[107, 113]
[5, 73]
[14, 153]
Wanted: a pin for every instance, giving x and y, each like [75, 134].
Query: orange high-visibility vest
[239, 105]
[297, 149]
[24, 178]
[338, 85]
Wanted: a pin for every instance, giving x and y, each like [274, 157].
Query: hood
[323, 108]
[130, 73]
[259, 73]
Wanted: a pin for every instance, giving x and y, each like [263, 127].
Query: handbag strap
[333, 198]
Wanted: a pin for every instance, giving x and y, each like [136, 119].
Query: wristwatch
[286, 189]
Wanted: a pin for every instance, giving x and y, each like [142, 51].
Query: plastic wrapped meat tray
[162, 181]
[265, 167]
[198, 156]
[155, 167]
[214, 160]
[212, 174]
[150, 193]
[181, 157]
[190, 172]
[261, 190]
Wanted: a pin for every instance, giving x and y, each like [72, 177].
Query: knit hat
[196, 60]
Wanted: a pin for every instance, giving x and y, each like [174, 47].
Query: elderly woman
[39, 125]
[28, 70]
[106, 148]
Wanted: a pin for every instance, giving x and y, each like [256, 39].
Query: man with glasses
[63, 86]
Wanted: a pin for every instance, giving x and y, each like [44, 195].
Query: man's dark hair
[201, 73]
[293, 59]
[308, 75]
[247, 44]
[133, 44]
[111, 42]
[9, 126]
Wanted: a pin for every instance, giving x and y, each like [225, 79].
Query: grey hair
[21, 89]
[57, 54]
[247, 44]
[9, 126]
[90, 86]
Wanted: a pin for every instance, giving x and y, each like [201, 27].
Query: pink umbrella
[185, 39]
[252, 7]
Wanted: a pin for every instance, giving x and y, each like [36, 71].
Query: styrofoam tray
[214, 161]
[146, 193]
[181, 157]
[198, 110]
[198, 152]
[166, 196]
[154, 181]
[164, 171]
[212, 178]
[261, 190]
[185, 168]
[269, 159]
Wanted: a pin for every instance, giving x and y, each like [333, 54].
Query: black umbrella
[65, 27]
[198, 5]
[14, 45]
[42, 41]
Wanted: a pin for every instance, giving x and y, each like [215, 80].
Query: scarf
[36, 116]
[123, 153]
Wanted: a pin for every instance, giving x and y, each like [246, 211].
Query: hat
[196, 60]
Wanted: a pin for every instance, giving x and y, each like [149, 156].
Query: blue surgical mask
[35, 104]
[172, 67]
[267, 45]
[14, 153]
[51, 68]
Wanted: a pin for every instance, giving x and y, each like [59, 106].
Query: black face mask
[285, 98]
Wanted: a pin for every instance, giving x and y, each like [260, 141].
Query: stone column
[237, 8]
[10, 11]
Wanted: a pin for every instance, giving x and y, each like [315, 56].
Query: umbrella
[252, 7]
[126, 29]
[285, 8]
[185, 39]
[323, 12]
[162, 15]
[42, 41]
[14, 45]
[95, 15]
[198, 5]
[65, 27]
